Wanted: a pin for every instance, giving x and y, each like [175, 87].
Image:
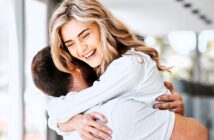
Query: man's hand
[87, 126]
[171, 102]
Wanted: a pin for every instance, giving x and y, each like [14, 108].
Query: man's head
[53, 82]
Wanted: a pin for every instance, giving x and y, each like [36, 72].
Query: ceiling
[158, 17]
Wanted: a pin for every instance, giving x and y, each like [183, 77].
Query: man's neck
[79, 82]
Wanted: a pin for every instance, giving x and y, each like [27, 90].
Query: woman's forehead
[73, 28]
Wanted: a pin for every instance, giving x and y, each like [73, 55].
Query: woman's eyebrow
[78, 35]
[82, 32]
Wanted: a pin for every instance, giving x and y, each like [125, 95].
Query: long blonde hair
[113, 32]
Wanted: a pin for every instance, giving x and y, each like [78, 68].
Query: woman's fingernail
[155, 106]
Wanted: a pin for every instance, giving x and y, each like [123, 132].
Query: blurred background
[181, 30]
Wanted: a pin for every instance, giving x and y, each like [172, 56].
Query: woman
[52, 82]
[85, 30]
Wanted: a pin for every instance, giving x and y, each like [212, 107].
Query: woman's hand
[87, 126]
[171, 102]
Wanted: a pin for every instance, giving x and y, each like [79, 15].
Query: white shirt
[132, 76]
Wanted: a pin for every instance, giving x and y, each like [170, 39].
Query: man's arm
[172, 102]
[135, 120]
[188, 129]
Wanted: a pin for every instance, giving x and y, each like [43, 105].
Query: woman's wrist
[70, 125]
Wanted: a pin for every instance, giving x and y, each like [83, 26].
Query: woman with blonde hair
[127, 69]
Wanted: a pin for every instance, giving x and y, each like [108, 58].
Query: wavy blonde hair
[116, 38]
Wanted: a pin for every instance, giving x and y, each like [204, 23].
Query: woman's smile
[83, 41]
[88, 55]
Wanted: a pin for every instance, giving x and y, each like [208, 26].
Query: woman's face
[83, 41]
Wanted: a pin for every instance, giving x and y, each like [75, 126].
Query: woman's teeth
[89, 54]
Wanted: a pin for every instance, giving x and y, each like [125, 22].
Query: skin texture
[87, 126]
[82, 40]
[188, 129]
[79, 82]
[173, 102]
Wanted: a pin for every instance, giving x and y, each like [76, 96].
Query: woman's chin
[94, 62]
[93, 65]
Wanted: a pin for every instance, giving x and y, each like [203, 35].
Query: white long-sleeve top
[134, 76]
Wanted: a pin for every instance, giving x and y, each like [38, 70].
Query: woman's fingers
[97, 130]
[89, 129]
[98, 116]
[99, 134]
[100, 127]
[86, 136]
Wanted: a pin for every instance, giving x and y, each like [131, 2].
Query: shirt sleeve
[122, 75]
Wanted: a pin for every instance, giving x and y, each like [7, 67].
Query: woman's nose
[81, 48]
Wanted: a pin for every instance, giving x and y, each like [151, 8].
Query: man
[129, 115]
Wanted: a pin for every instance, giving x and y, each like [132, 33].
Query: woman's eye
[70, 45]
[86, 35]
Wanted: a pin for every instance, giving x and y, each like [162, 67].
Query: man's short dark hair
[47, 77]
[52, 81]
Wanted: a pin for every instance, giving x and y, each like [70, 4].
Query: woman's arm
[122, 75]
[87, 127]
